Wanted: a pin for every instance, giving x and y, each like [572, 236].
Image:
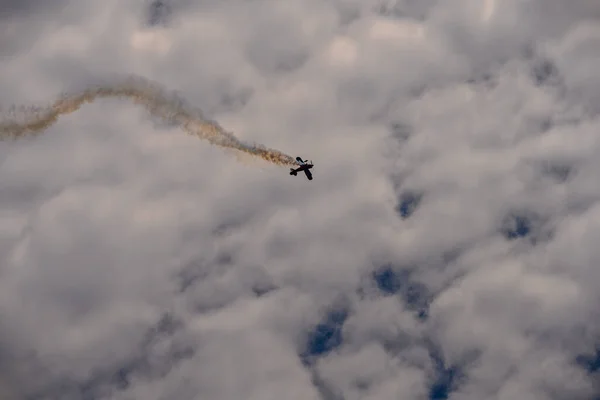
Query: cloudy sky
[447, 247]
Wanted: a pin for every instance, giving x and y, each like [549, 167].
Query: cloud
[445, 249]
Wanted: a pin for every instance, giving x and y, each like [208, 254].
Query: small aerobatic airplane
[304, 166]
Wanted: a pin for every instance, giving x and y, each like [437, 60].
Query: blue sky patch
[326, 336]
[408, 204]
[414, 294]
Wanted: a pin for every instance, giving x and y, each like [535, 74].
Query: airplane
[304, 166]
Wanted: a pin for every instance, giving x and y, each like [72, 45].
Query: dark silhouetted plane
[304, 166]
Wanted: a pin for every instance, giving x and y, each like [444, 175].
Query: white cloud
[112, 220]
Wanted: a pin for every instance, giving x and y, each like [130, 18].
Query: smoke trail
[170, 108]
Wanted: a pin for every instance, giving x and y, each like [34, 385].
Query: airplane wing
[308, 174]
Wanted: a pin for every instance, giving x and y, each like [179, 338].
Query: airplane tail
[293, 172]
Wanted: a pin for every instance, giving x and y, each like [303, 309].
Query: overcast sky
[446, 248]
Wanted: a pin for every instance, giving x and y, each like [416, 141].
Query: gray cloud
[445, 249]
[15, 8]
